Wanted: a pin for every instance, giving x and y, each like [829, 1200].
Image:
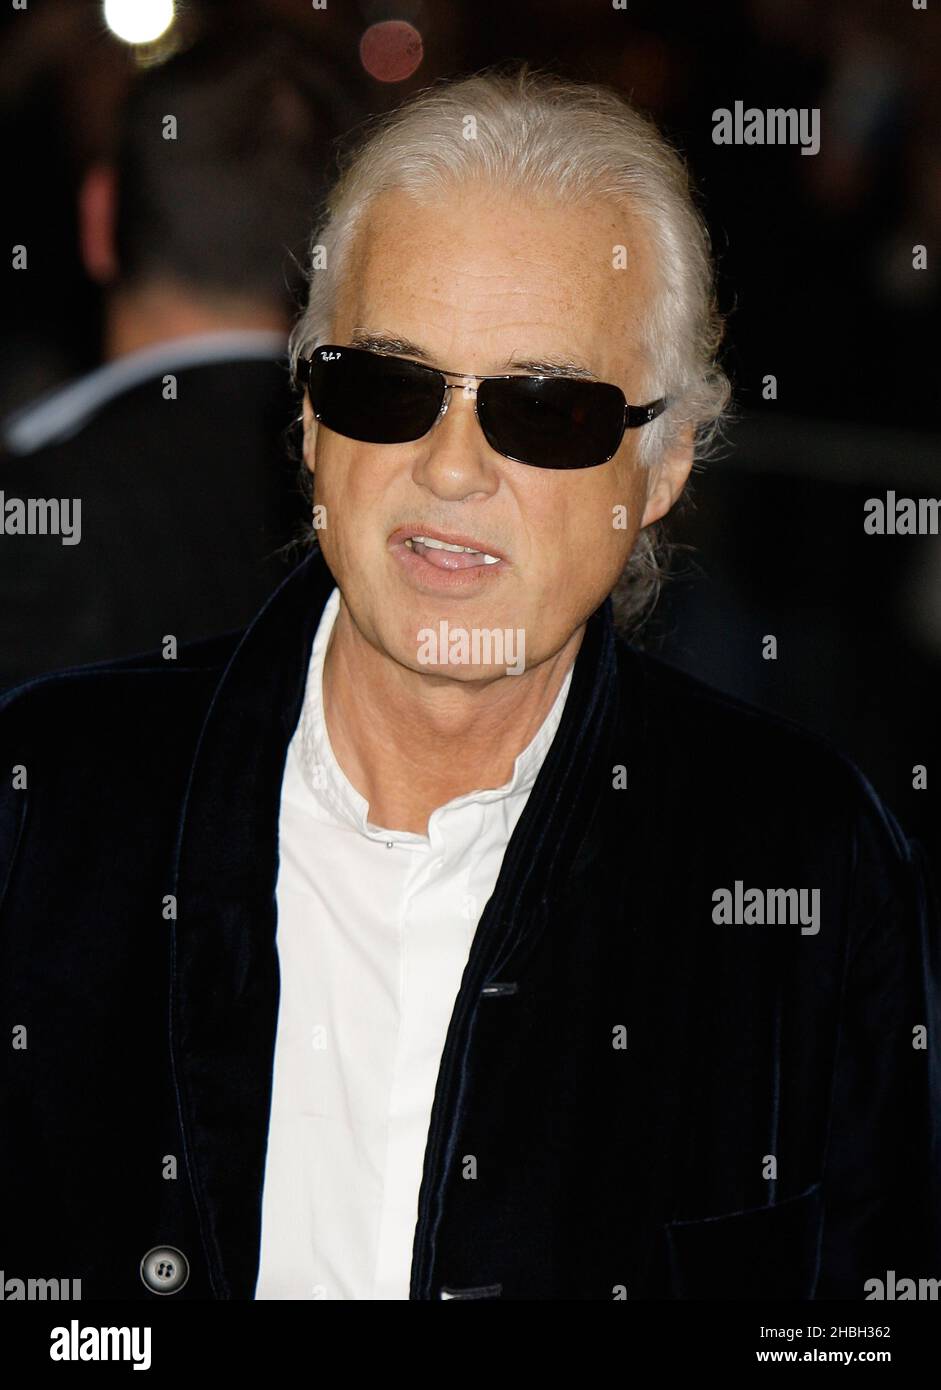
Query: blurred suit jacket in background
[196, 231]
[185, 505]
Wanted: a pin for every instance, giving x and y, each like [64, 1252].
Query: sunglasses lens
[552, 422]
[376, 399]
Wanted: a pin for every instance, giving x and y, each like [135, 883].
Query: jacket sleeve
[882, 1174]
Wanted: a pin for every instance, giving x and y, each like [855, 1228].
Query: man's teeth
[444, 545]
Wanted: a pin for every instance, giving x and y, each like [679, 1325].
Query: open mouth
[447, 556]
[451, 562]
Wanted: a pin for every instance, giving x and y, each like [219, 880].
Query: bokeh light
[138, 21]
[391, 50]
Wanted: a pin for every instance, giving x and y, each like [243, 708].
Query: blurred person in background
[171, 454]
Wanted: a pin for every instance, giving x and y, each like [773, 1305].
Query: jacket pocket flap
[766, 1252]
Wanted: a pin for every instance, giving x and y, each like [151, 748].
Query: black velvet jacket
[660, 1105]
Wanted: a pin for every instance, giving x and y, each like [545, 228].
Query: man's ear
[310, 434]
[668, 478]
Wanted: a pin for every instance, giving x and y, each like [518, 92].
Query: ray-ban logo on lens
[741, 906]
[775, 126]
[478, 646]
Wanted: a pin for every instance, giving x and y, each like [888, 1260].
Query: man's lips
[448, 559]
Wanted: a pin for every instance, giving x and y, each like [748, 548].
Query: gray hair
[539, 134]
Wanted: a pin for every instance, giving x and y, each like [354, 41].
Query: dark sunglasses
[548, 421]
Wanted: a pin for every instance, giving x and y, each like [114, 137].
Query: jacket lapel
[556, 840]
[225, 980]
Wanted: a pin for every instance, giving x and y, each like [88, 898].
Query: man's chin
[456, 644]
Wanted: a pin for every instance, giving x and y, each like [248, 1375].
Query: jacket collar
[224, 964]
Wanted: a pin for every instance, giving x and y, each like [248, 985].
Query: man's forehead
[539, 288]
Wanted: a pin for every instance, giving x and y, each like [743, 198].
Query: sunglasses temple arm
[637, 415]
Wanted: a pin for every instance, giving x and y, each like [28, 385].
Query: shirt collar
[60, 412]
[328, 782]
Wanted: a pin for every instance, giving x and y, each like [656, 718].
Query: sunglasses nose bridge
[469, 393]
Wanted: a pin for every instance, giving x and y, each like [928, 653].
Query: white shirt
[374, 930]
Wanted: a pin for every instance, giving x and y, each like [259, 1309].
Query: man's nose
[455, 459]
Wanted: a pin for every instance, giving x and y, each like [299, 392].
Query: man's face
[482, 281]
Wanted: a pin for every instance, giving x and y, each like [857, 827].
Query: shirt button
[164, 1269]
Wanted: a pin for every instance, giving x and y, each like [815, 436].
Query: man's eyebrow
[553, 366]
[384, 342]
[404, 347]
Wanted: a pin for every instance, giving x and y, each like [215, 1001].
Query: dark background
[815, 277]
